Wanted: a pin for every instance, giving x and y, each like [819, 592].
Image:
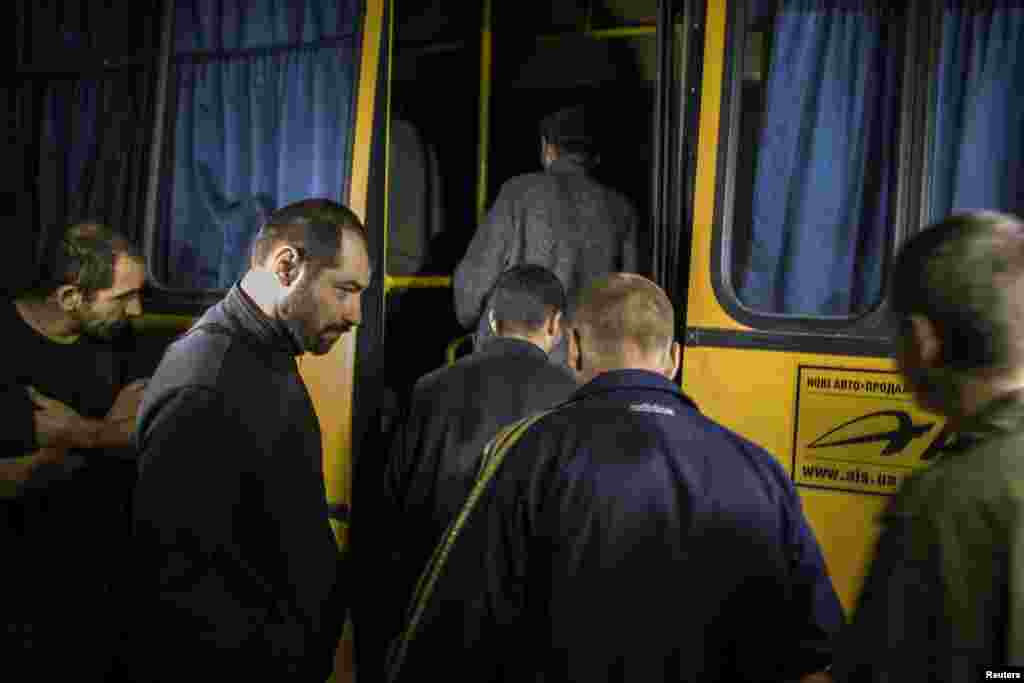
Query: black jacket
[237, 563]
[453, 412]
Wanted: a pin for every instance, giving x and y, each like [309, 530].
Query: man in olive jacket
[943, 598]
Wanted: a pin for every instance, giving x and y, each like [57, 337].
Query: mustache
[340, 329]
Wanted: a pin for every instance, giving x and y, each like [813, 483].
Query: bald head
[623, 320]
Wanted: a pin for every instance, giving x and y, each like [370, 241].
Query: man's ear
[575, 356]
[555, 325]
[675, 355]
[927, 341]
[287, 265]
[69, 298]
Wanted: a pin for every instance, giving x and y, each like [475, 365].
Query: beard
[936, 390]
[106, 330]
[299, 314]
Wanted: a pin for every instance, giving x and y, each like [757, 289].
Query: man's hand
[126, 405]
[57, 424]
[32, 471]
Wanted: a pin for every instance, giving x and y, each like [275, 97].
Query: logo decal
[897, 439]
[651, 408]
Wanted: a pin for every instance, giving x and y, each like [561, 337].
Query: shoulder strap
[493, 455]
[215, 328]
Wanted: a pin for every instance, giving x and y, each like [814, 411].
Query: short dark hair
[525, 296]
[568, 129]
[83, 255]
[313, 226]
[966, 275]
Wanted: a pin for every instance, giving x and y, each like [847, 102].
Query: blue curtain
[265, 106]
[820, 215]
[81, 134]
[69, 108]
[977, 150]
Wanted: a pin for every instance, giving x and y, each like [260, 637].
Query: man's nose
[352, 311]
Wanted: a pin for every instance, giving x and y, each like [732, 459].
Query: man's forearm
[103, 433]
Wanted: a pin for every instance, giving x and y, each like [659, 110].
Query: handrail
[453, 349]
[484, 132]
[393, 282]
[602, 33]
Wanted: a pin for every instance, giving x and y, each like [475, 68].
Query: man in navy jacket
[626, 537]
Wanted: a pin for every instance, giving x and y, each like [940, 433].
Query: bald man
[626, 537]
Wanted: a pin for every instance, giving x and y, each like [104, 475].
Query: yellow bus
[778, 152]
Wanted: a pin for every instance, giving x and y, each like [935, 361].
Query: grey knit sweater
[560, 219]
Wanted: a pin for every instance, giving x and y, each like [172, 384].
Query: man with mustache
[65, 469]
[237, 566]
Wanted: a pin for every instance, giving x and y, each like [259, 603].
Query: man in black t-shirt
[65, 457]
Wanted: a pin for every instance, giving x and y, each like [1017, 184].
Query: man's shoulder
[672, 426]
[523, 183]
[531, 370]
[196, 358]
[980, 476]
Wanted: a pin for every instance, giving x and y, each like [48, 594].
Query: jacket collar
[272, 334]
[563, 165]
[503, 346]
[1004, 415]
[620, 380]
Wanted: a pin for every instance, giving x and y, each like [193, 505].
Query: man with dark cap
[560, 218]
[454, 411]
[624, 536]
[942, 601]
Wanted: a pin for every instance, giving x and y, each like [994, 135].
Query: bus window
[260, 114]
[815, 162]
[80, 101]
[976, 152]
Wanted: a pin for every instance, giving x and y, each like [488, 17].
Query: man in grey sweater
[560, 218]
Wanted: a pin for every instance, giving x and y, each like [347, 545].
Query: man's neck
[977, 393]
[539, 343]
[263, 290]
[44, 317]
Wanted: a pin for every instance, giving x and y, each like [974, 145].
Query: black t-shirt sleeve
[18, 434]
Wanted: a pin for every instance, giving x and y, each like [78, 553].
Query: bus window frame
[160, 297]
[873, 328]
